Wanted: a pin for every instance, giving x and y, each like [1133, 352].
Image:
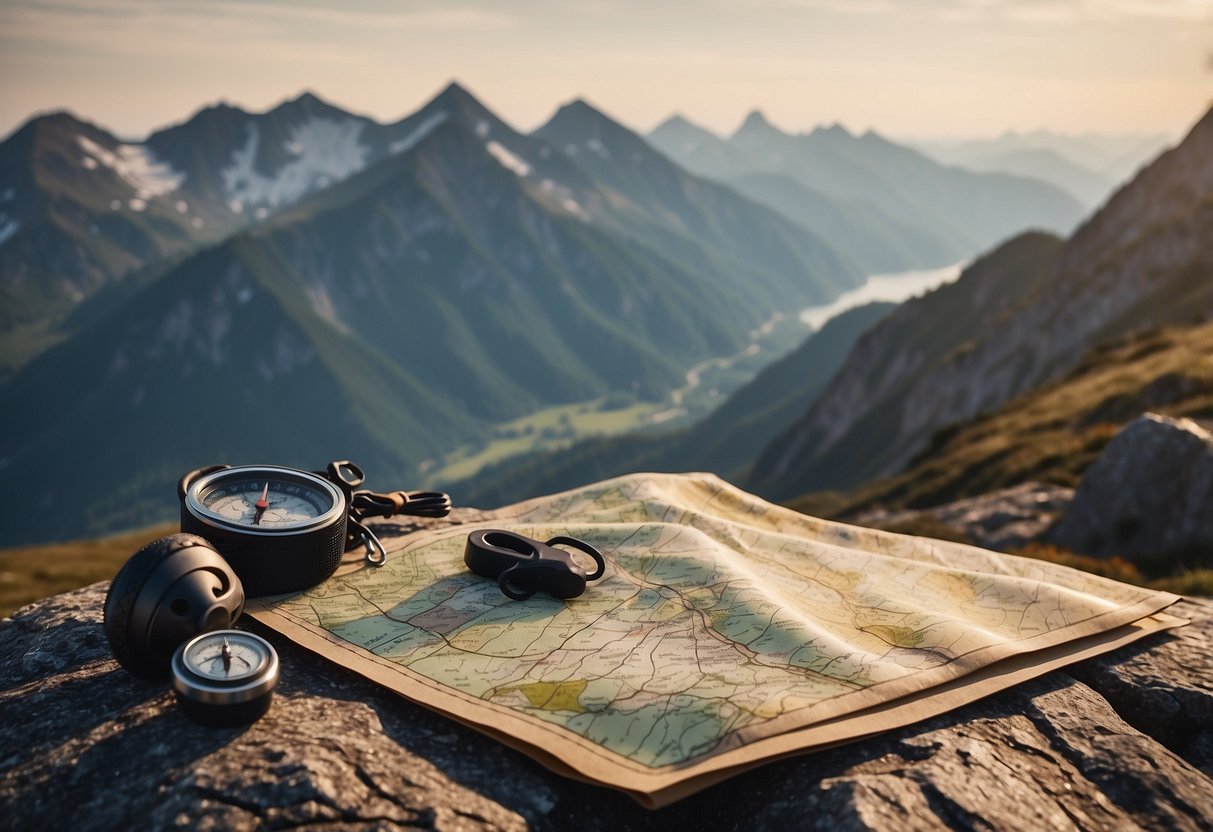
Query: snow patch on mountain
[136, 165]
[424, 129]
[7, 228]
[508, 159]
[324, 150]
[564, 198]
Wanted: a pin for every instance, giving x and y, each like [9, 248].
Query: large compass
[281, 529]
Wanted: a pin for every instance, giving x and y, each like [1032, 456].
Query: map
[725, 630]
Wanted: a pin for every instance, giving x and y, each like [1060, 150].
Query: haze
[921, 68]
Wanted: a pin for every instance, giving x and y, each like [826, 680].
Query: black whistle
[523, 566]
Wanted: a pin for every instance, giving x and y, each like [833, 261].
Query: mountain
[653, 200]
[224, 361]
[698, 150]
[80, 209]
[878, 242]
[77, 208]
[1053, 432]
[1021, 316]
[1087, 186]
[725, 442]
[1114, 157]
[473, 276]
[908, 205]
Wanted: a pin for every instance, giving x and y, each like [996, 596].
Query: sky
[907, 68]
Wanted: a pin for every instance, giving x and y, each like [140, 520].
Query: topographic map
[724, 632]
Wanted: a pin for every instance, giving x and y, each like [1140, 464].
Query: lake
[893, 287]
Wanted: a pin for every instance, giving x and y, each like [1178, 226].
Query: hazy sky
[906, 68]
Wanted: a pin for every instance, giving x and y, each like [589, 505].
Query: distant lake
[894, 287]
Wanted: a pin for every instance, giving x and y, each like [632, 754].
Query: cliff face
[887, 394]
[1141, 261]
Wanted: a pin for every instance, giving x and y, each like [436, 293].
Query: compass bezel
[201, 488]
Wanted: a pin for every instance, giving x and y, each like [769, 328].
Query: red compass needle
[262, 504]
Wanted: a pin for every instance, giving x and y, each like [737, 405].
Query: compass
[225, 677]
[281, 529]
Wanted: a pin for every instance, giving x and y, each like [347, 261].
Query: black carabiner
[523, 566]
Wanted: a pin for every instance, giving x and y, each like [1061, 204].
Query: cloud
[272, 30]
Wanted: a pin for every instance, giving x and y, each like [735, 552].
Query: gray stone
[1118, 742]
[1149, 493]
[1001, 520]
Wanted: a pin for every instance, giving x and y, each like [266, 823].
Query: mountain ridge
[1137, 262]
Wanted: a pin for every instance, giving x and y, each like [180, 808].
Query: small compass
[225, 677]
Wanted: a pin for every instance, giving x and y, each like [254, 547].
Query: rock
[1001, 520]
[1147, 495]
[1122, 741]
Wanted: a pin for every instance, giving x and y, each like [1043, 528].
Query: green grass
[556, 428]
[549, 429]
[28, 573]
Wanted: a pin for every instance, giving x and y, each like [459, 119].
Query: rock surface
[1148, 493]
[1124, 741]
[1001, 520]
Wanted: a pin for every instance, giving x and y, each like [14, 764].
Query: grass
[28, 573]
[549, 429]
[555, 428]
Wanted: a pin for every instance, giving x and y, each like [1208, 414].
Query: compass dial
[225, 677]
[226, 656]
[282, 504]
[263, 499]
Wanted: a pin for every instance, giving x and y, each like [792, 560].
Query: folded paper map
[725, 632]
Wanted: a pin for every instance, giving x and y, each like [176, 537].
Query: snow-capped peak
[325, 150]
[136, 165]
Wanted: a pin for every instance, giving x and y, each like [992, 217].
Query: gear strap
[364, 503]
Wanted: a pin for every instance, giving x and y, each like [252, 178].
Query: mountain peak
[456, 95]
[756, 127]
[581, 108]
[306, 102]
[459, 103]
[56, 122]
[756, 120]
[835, 130]
[677, 121]
[683, 131]
[579, 121]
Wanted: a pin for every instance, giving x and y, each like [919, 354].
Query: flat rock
[1001, 520]
[1123, 741]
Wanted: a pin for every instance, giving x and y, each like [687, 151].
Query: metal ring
[581, 545]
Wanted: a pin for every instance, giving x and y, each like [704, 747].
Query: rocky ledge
[1123, 741]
